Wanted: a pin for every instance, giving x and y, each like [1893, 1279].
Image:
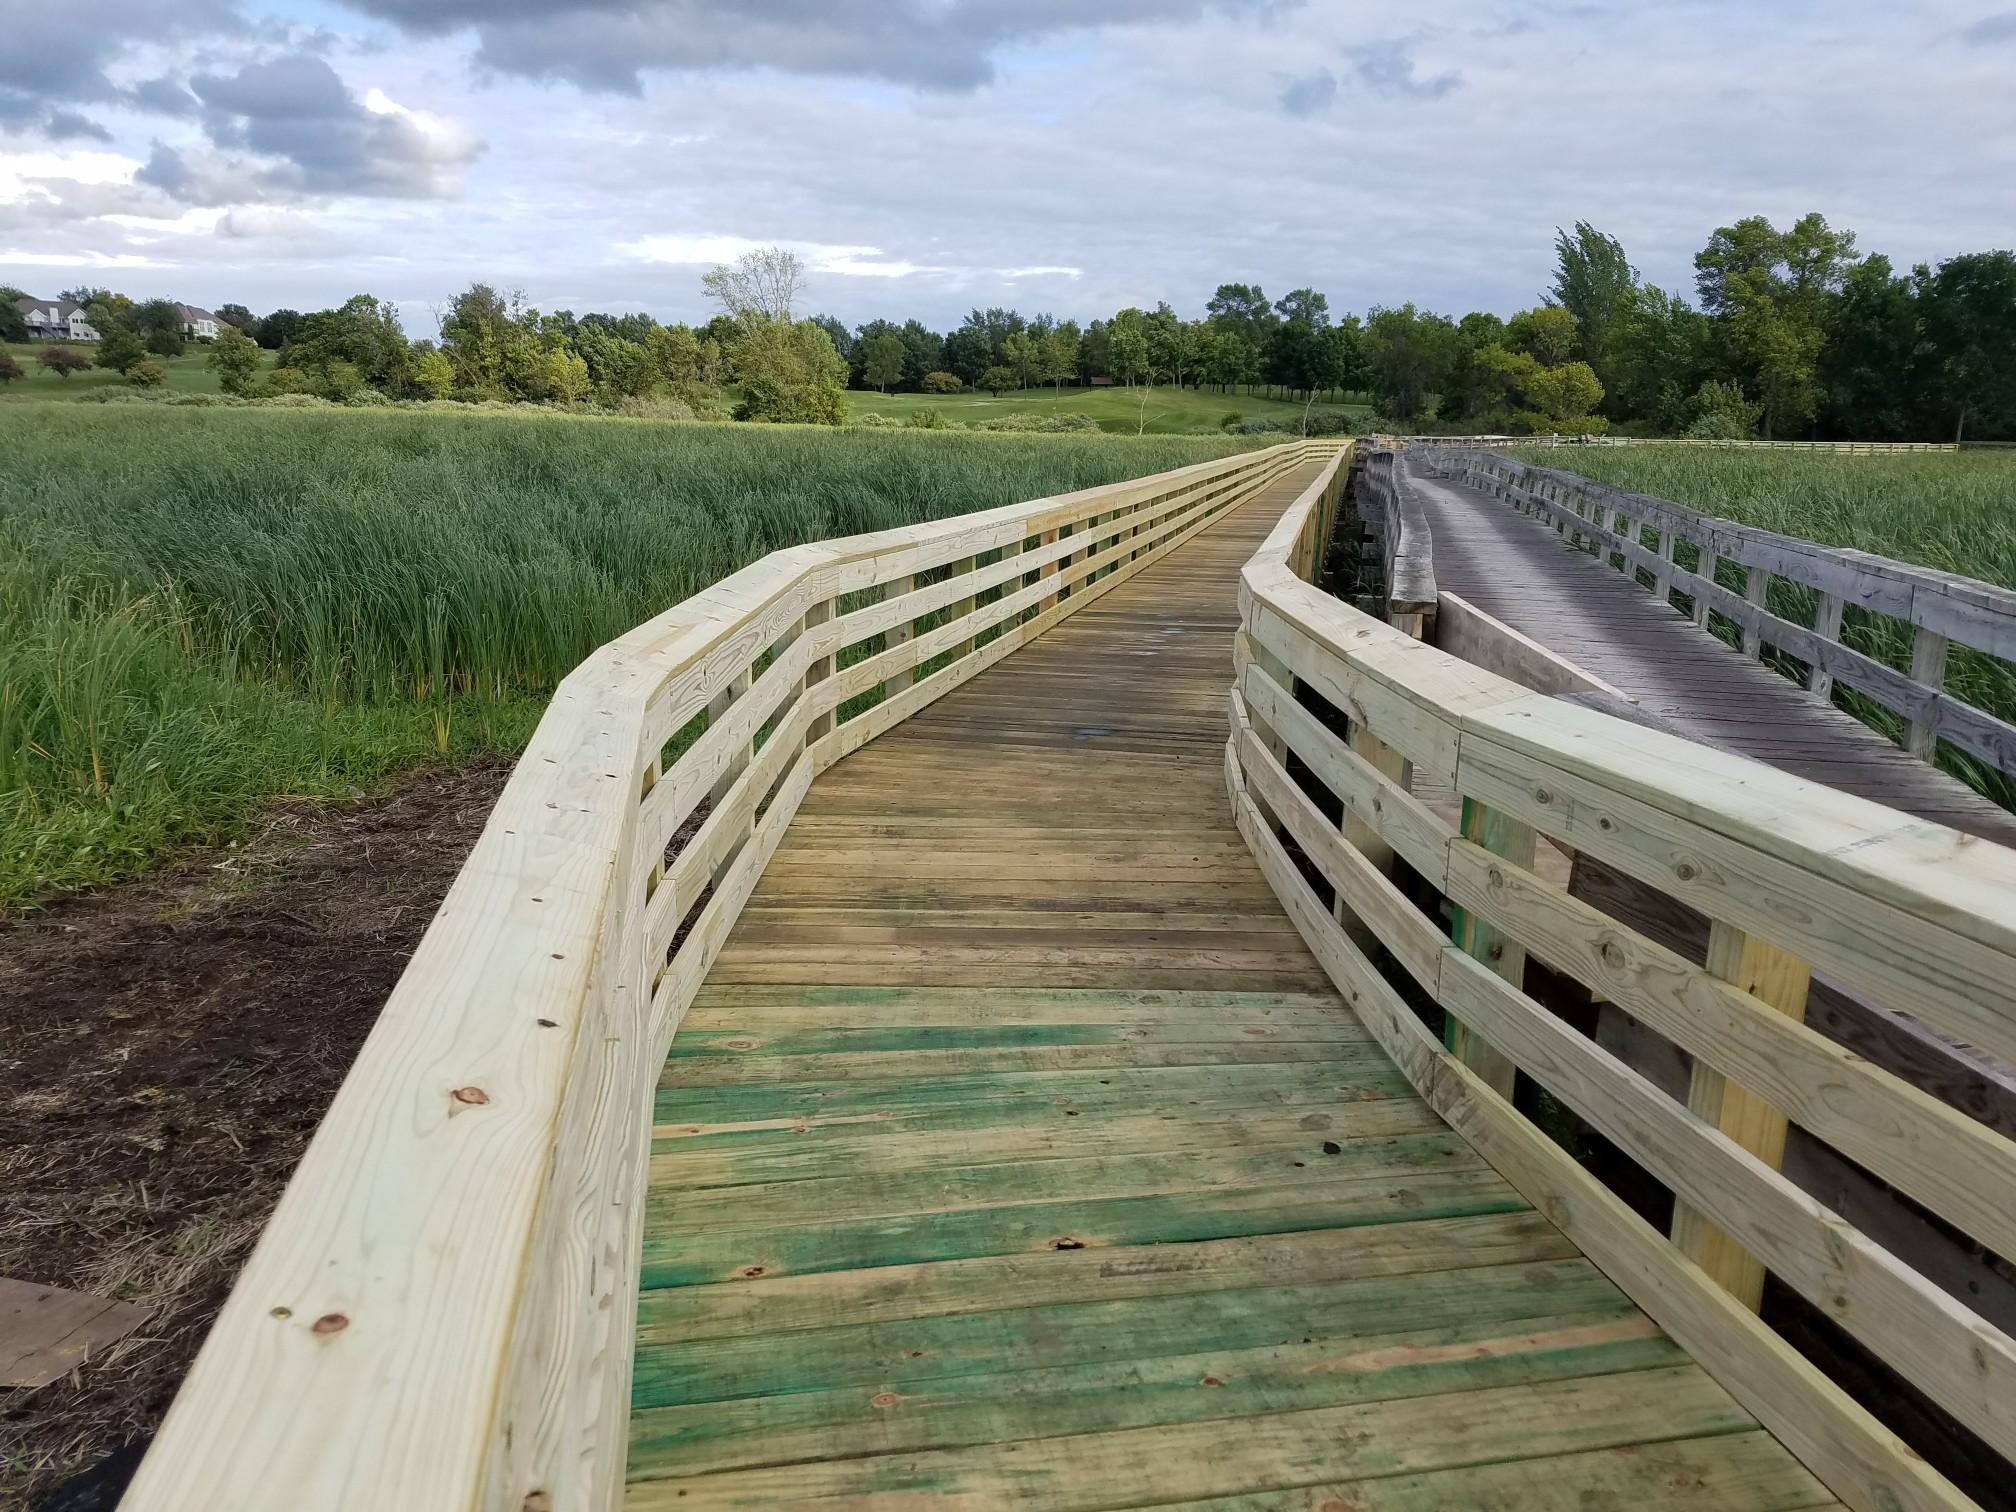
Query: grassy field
[1954, 511]
[187, 374]
[1120, 410]
[201, 609]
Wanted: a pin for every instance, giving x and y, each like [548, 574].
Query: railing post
[1756, 590]
[1504, 836]
[718, 706]
[961, 607]
[1662, 582]
[1048, 570]
[895, 636]
[1704, 569]
[1826, 625]
[1780, 980]
[817, 670]
[1928, 669]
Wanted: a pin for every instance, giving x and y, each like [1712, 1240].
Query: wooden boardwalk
[1525, 575]
[1017, 1152]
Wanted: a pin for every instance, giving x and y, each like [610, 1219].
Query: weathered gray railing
[1387, 503]
[1941, 610]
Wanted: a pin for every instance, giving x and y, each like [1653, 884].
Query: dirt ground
[166, 1048]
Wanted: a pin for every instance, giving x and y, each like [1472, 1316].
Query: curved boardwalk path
[1017, 1152]
[1524, 574]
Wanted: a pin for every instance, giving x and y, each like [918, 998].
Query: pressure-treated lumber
[437, 1316]
[1791, 874]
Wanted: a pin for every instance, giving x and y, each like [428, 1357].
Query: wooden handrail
[1918, 917]
[439, 1314]
[1941, 609]
[1387, 502]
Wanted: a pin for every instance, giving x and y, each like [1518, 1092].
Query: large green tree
[1410, 357]
[882, 359]
[1969, 308]
[1596, 284]
[790, 372]
[1772, 296]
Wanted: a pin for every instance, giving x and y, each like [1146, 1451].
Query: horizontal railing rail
[439, 1314]
[1639, 534]
[1333, 712]
[1387, 502]
[1843, 448]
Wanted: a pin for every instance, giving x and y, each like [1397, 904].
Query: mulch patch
[166, 1048]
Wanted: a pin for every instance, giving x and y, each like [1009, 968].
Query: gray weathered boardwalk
[1525, 575]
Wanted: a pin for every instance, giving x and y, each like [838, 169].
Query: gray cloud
[933, 44]
[1388, 68]
[1309, 93]
[69, 125]
[164, 97]
[58, 54]
[295, 108]
[1997, 28]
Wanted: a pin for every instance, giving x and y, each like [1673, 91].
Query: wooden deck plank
[1017, 1152]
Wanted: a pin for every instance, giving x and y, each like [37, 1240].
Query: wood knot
[1686, 871]
[1067, 1243]
[473, 1096]
[884, 1399]
[331, 1323]
[1612, 956]
[537, 1501]
[1542, 795]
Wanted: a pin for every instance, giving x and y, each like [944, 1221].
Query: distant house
[55, 320]
[198, 324]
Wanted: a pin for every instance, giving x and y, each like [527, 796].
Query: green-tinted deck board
[1275, 1450]
[781, 1304]
[675, 1255]
[924, 1143]
[904, 1351]
[954, 1411]
[1017, 1153]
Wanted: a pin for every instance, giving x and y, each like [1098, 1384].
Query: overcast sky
[927, 156]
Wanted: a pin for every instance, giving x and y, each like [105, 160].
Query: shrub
[998, 380]
[120, 349]
[654, 407]
[62, 360]
[878, 422]
[924, 419]
[336, 381]
[10, 369]
[1230, 420]
[287, 380]
[1039, 424]
[146, 375]
[941, 383]
[1723, 413]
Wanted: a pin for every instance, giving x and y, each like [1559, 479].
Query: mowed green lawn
[188, 374]
[1154, 411]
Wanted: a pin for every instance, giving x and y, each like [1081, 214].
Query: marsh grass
[201, 609]
[1952, 511]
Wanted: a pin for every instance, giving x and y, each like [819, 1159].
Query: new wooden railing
[1640, 534]
[1334, 712]
[439, 1315]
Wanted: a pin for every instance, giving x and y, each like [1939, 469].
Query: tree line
[1790, 333]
